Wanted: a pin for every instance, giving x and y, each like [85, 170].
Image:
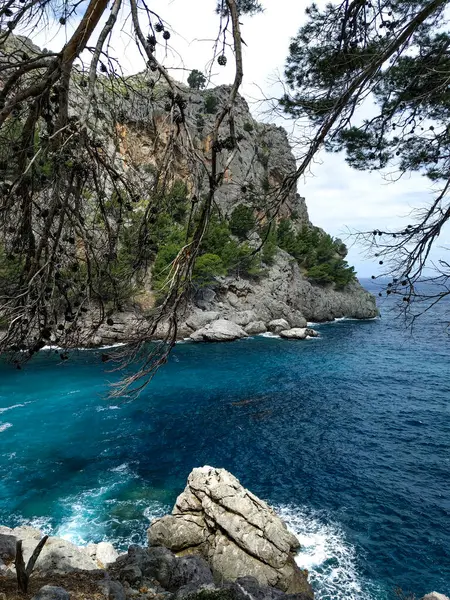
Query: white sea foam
[2, 410]
[84, 348]
[51, 347]
[42, 523]
[111, 407]
[5, 426]
[154, 511]
[116, 345]
[124, 467]
[339, 320]
[83, 521]
[328, 556]
[269, 334]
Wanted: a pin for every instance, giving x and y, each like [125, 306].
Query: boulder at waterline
[236, 532]
[278, 325]
[256, 327]
[221, 330]
[200, 318]
[435, 596]
[299, 333]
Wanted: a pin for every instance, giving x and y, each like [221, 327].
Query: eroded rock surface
[236, 532]
[221, 330]
[57, 555]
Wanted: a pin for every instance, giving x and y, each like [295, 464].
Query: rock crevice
[243, 535]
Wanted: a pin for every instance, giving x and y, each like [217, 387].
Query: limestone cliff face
[263, 160]
[252, 178]
[133, 125]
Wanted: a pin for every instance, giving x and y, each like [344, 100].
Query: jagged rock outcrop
[236, 532]
[284, 293]
[263, 161]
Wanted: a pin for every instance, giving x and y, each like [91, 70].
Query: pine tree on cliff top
[396, 55]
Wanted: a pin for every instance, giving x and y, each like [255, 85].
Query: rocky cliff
[282, 288]
[301, 279]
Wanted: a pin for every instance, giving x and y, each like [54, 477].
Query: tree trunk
[23, 574]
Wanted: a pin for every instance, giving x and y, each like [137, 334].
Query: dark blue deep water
[348, 436]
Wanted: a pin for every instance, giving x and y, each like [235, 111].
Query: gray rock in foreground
[60, 556]
[237, 533]
[435, 596]
[103, 552]
[57, 555]
[51, 592]
[112, 590]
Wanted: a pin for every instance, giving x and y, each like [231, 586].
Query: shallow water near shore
[348, 436]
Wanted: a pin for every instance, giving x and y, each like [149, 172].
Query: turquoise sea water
[348, 436]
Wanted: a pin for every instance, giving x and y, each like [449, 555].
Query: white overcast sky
[338, 197]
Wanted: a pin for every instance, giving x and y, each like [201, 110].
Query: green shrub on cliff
[242, 221]
[269, 248]
[217, 235]
[207, 268]
[334, 271]
[161, 267]
[317, 252]
[239, 259]
[211, 103]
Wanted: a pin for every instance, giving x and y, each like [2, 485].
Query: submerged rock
[221, 330]
[236, 532]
